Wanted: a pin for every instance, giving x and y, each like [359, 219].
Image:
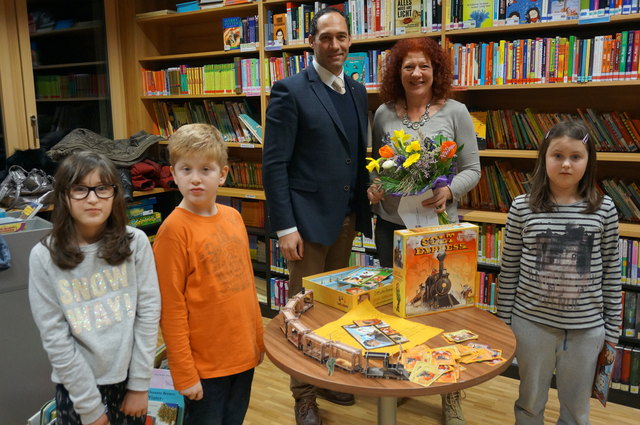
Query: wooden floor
[488, 404]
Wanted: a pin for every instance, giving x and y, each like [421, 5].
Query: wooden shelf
[76, 29]
[241, 193]
[154, 191]
[244, 145]
[193, 96]
[539, 27]
[199, 16]
[533, 154]
[628, 230]
[74, 99]
[591, 84]
[68, 65]
[198, 55]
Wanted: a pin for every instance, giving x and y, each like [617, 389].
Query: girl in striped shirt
[559, 285]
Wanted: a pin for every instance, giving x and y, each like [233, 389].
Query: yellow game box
[345, 288]
[434, 269]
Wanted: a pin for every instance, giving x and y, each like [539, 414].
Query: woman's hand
[135, 403]
[375, 192]
[439, 199]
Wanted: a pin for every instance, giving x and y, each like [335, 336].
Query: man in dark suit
[314, 171]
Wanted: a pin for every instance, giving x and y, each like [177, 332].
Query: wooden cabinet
[59, 68]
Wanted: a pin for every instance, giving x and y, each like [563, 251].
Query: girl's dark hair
[392, 90]
[540, 196]
[63, 243]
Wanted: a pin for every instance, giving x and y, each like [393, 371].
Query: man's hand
[292, 246]
[135, 403]
[439, 199]
[102, 420]
[193, 393]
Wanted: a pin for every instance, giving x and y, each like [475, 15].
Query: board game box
[331, 288]
[434, 269]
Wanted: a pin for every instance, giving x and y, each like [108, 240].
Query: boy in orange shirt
[211, 321]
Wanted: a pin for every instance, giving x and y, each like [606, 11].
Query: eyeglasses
[103, 191]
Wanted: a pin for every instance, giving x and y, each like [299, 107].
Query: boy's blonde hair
[201, 140]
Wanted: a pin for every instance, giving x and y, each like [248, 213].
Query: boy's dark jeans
[225, 401]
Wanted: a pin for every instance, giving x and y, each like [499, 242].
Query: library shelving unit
[154, 41]
[603, 96]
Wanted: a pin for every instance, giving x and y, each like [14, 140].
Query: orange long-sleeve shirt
[211, 321]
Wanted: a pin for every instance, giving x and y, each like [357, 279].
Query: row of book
[487, 296]
[500, 183]
[546, 60]
[488, 13]
[630, 314]
[630, 261]
[279, 290]
[611, 131]
[223, 115]
[364, 67]
[251, 210]
[625, 374]
[239, 32]
[490, 244]
[277, 261]
[244, 175]
[70, 86]
[367, 19]
[239, 76]
[363, 259]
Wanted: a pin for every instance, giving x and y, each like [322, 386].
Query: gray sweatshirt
[98, 322]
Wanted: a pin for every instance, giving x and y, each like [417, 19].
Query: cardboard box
[434, 269]
[328, 289]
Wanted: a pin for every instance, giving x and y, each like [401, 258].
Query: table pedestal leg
[387, 410]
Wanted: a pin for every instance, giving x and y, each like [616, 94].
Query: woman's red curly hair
[392, 90]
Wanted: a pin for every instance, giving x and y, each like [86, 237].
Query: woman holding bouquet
[414, 92]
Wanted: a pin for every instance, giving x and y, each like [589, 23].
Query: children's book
[408, 16]
[478, 11]
[254, 128]
[604, 369]
[231, 33]
[166, 407]
[354, 66]
[369, 337]
[527, 11]
[280, 28]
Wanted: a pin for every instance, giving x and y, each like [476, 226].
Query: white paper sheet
[413, 214]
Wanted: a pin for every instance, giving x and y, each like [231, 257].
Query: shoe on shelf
[307, 412]
[336, 397]
[452, 409]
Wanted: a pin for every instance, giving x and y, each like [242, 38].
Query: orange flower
[386, 152]
[448, 149]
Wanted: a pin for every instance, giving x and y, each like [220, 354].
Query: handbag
[20, 188]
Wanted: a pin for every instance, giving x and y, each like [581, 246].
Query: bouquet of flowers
[410, 167]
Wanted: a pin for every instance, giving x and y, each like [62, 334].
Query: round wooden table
[492, 331]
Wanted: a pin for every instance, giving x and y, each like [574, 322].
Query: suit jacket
[307, 162]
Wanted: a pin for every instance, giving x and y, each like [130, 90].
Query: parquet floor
[490, 403]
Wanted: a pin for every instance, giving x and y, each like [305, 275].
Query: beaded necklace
[416, 124]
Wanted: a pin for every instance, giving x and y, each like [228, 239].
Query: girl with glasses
[94, 295]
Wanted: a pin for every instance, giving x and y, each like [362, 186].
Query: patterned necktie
[338, 85]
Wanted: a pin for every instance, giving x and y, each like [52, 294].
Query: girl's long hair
[115, 241]
[540, 199]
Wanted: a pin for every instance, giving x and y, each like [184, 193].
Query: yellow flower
[399, 137]
[373, 165]
[411, 160]
[414, 146]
